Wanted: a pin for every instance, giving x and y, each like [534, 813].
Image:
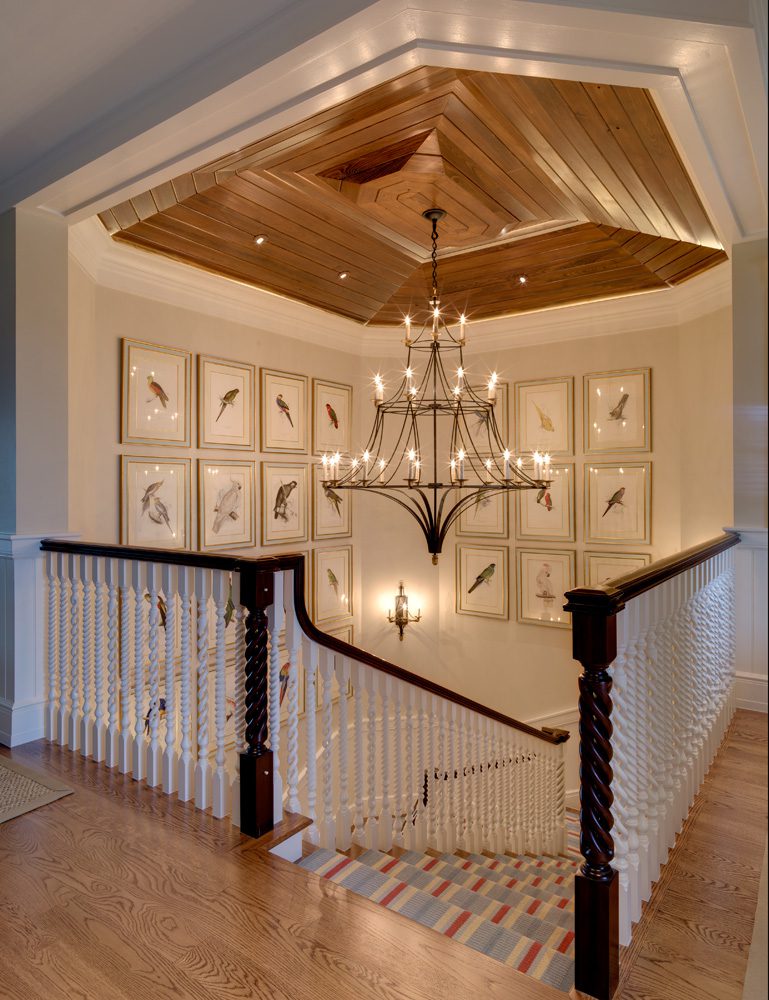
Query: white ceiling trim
[126, 269]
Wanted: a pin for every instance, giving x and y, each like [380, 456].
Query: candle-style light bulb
[492, 387]
[324, 475]
[378, 389]
[408, 331]
[453, 470]
[412, 456]
[461, 465]
[506, 459]
[487, 475]
[366, 461]
[382, 464]
[462, 322]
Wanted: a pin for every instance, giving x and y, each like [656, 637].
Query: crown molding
[123, 268]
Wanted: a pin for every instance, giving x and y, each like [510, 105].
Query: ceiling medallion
[435, 447]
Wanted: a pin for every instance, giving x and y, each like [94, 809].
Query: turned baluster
[52, 702]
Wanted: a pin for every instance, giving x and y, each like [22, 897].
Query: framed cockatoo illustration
[285, 497]
[618, 502]
[547, 514]
[617, 411]
[601, 568]
[225, 504]
[543, 577]
[225, 404]
[332, 584]
[284, 411]
[482, 581]
[331, 509]
[544, 417]
[155, 389]
[331, 417]
[486, 517]
[155, 502]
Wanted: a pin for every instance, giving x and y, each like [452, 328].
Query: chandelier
[435, 447]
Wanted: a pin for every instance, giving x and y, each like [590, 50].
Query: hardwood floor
[118, 892]
[693, 939]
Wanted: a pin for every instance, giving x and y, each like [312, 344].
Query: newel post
[256, 796]
[596, 905]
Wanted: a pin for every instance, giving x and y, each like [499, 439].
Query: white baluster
[358, 835]
[87, 641]
[385, 814]
[327, 820]
[372, 825]
[125, 746]
[343, 824]
[497, 840]
[454, 836]
[185, 783]
[275, 621]
[310, 659]
[220, 800]
[412, 782]
[401, 808]
[74, 651]
[439, 785]
[139, 755]
[239, 619]
[52, 701]
[429, 722]
[293, 644]
[65, 693]
[111, 577]
[203, 764]
[170, 761]
[152, 720]
[98, 736]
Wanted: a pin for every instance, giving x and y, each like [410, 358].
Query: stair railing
[648, 732]
[202, 675]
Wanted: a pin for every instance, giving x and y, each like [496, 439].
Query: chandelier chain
[434, 256]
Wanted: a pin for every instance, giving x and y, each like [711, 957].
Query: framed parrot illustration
[544, 416]
[548, 514]
[331, 509]
[543, 577]
[332, 584]
[475, 429]
[155, 390]
[617, 411]
[284, 503]
[487, 517]
[155, 502]
[482, 581]
[284, 411]
[331, 417]
[225, 504]
[602, 567]
[225, 404]
[618, 502]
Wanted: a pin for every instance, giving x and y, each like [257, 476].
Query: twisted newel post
[256, 797]
[596, 904]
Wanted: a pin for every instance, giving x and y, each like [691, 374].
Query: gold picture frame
[543, 576]
[333, 592]
[283, 407]
[623, 562]
[606, 485]
[613, 420]
[226, 393]
[289, 508]
[534, 508]
[155, 393]
[155, 508]
[219, 513]
[332, 416]
[488, 517]
[482, 570]
[544, 416]
[331, 511]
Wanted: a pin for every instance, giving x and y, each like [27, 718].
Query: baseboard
[751, 691]
[21, 723]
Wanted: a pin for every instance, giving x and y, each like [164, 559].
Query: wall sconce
[402, 615]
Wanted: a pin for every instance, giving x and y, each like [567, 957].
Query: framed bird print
[475, 429]
[543, 578]
[331, 417]
[155, 394]
[618, 502]
[155, 502]
[544, 416]
[601, 568]
[548, 514]
[617, 411]
[284, 411]
[331, 509]
[482, 581]
[486, 517]
[332, 584]
[225, 404]
[225, 504]
[284, 503]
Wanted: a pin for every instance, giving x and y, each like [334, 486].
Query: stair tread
[513, 909]
[554, 883]
[508, 866]
[547, 965]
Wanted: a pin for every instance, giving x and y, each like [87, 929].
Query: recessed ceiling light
[343, 275]
[261, 238]
[522, 279]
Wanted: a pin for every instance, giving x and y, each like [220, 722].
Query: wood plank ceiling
[577, 187]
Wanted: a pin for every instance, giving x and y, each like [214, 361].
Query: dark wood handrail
[612, 597]
[295, 562]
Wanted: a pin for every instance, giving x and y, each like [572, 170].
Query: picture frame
[285, 503]
[618, 502]
[284, 411]
[155, 394]
[225, 404]
[155, 502]
[331, 510]
[544, 416]
[332, 584]
[476, 429]
[225, 504]
[601, 567]
[543, 576]
[617, 411]
[331, 417]
[488, 517]
[482, 588]
[548, 515]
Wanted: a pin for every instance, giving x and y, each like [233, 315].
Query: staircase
[517, 909]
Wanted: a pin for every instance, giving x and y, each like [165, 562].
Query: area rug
[22, 790]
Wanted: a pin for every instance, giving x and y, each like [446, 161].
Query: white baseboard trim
[21, 723]
[751, 691]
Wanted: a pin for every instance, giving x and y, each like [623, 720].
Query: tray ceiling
[575, 187]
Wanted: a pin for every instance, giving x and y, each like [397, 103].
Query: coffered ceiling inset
[576, 187]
